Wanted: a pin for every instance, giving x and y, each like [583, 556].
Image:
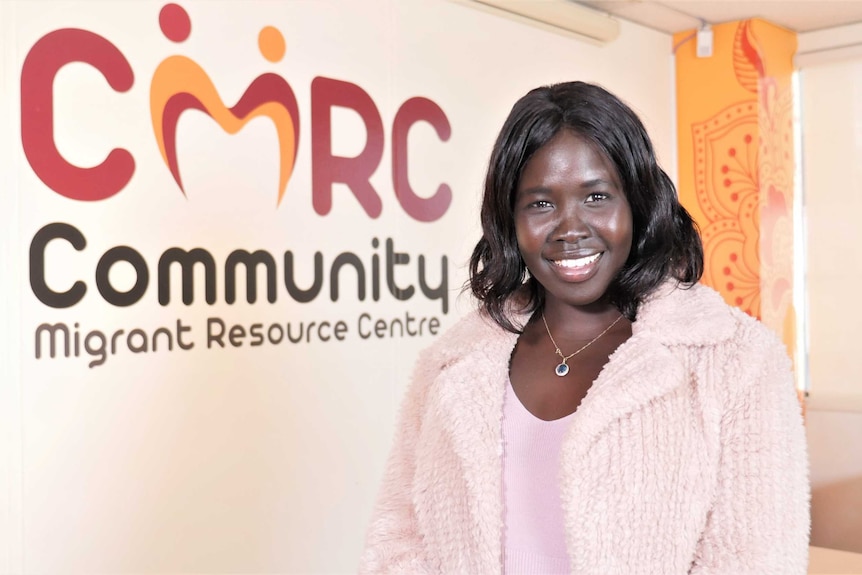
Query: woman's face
[572, 220]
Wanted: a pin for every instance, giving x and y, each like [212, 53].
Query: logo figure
[180, 84]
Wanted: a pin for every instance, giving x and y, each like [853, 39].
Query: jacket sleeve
[393, 542]
[759, 521]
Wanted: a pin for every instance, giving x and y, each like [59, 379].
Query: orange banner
[736, 163]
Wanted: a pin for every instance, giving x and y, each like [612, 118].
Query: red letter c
[412, 111]
[48, 55]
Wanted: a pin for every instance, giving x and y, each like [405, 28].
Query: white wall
[831, 93]
[832, 143]
[259, 459]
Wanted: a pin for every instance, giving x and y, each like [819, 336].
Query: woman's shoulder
[473, 332]
[696, 320]
[697, 315]
[472, 347]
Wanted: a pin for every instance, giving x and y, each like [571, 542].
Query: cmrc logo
[180, 84]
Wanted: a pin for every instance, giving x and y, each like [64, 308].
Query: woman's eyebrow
[533, 190]
[597, 182]
[541, 189]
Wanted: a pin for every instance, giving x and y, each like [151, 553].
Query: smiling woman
[572, 220]
[602, 412]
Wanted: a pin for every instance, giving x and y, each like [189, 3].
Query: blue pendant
[561, 369]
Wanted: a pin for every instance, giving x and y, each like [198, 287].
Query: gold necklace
[562, 369]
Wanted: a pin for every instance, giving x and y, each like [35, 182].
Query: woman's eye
[541, 204]
[597, 197]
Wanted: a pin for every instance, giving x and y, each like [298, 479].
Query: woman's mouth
[577, 269]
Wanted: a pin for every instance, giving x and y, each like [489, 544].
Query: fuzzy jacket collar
[673, 314]
[644, 368]
[678, 315]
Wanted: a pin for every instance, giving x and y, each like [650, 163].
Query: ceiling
[678, 15]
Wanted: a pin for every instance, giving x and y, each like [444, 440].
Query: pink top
[534, 539]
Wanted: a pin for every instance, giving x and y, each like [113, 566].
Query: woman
[602, 413]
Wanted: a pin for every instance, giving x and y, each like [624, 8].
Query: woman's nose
[571, 225]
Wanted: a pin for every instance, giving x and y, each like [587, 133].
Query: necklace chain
[562, 369]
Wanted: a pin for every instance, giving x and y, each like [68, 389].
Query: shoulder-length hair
[665, 242]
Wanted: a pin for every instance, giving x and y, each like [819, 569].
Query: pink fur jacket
[686, 457]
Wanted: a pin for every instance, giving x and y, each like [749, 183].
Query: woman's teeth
[577, 263]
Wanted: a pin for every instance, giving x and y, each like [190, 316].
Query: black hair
[665, 239]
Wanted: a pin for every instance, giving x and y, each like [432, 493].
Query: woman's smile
[572, 220]
[577, 269]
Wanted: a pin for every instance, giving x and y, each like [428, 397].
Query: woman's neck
[578, 322]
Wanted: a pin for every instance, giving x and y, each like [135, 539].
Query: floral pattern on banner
[744, 184]
[727, 185]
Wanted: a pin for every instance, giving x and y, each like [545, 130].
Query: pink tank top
[534, 535]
